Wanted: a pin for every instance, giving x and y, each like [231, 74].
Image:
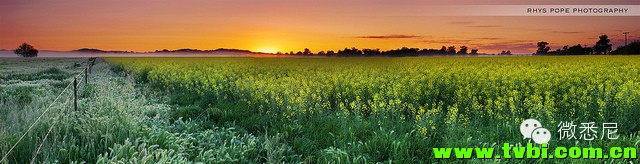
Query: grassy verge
[115, 122]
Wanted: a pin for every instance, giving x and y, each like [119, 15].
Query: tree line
[404, 51]
[601, 47]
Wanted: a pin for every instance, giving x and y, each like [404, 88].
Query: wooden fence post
[85, 76]
[75, 94]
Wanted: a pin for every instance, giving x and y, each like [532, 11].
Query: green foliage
[321, 110]
[396, 109]
[187, 112]
[24, 96]
[117, 124]
[50, 73]
[117, 69]
[21, 95]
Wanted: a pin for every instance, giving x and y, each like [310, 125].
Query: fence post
[75, 94]
[85, 76]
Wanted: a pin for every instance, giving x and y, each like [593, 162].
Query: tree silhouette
[474, 52]
[330, 53]
[602, 46]
[371, 52]
[443, 50]
[26, 50]
[630, 49]
[463, 50]
[430, 51]
[350, 52]
[573, 50]
[451, 50]
[306, 51]
[543, 48]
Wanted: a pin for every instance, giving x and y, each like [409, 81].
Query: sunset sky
[292, 25]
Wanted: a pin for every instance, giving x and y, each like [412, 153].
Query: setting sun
[267, 50]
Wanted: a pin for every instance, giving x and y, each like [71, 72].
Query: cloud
[484, 26]
[558, 32]
[389, 36]
[567, 32]
[447, 41]
[462, 22]
[488, 38]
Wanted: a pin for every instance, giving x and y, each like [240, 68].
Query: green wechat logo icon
[532, 128]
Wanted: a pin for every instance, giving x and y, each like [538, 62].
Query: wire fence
[80, 80]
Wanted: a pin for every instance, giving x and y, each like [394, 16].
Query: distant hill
[184, 50]
[178, 52]
[93, 50]
[188, 50]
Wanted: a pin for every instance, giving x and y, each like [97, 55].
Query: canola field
[397, 109]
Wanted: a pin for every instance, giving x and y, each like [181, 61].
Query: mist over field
[70, 54]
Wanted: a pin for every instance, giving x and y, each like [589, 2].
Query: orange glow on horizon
[285, 26]
[267, 50]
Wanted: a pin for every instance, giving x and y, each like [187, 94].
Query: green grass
[396, 109]
[115, 122]
[328, 110]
